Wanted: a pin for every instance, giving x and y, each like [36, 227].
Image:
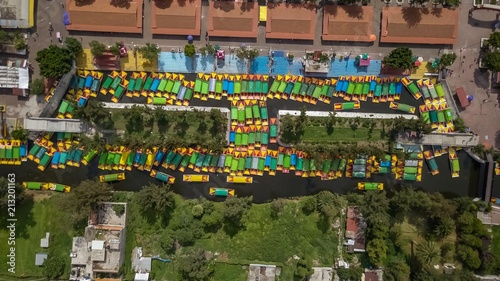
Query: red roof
[371, 276]
[352, 222]
[462, 97]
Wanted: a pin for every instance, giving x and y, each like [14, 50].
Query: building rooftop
[40, 259]
[419, 25]
[233, 19]
[102, 16]
[176, 17]
[101, 250]
[355, 230]
[44, 242]
[348, 23]
[54, 125]
[140, 263]
[291, 21]
[17, 13]
[263, 272]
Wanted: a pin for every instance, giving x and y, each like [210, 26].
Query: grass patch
[234, 272]
[321, 134]
[278, 239]
[264, 239]
[195, 127]
[495, 243]
[37, 215]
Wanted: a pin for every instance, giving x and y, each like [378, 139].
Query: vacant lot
[35, 217]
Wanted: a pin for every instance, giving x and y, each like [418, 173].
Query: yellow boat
[239, 179]
[196, 178]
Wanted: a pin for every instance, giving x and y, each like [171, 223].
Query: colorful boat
[88, 157]
[370, 186]
[347, 105]
[239, 179]
[112, 177]
[410, 85]
[221, 192]
[46, 186]
[402, 107]
[162, 176]
[454, 163]
[196, 178]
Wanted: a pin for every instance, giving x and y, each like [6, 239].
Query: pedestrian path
[348, 114]
[179, 63]
[343, 67]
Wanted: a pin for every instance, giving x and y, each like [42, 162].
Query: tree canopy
[20, 134]
[73, 45]
[54, 61]
[37, 87]
[85, 198]
[400, 58]
[97, 48]
[303, 269]
[193, 265]
[447, 59]
[494, 40]
[155, 199]
[53, 267]
[189, 50]
[150, 52]
[492, 61]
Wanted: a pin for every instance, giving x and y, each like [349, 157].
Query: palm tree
[150, 52]
[428, 253]
[444, 228]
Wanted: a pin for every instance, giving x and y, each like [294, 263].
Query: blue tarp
[66, 18]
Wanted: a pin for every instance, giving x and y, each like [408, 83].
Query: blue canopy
[66, 18]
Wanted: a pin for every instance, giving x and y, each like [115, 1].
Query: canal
[266, 188]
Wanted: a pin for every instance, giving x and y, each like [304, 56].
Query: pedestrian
[50, 40]
[62, 5]
[36, 34]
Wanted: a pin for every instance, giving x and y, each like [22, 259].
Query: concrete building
[17, 13]
[40, 259]
[14, 78]
[101, 250]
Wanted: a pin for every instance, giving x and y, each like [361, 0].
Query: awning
[262, 13]
[462, 97]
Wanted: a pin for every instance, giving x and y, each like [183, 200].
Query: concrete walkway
[347, 114]
[443, 139]
[112, 105]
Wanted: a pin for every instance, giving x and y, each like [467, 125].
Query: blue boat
[224, 85]
[88, 81]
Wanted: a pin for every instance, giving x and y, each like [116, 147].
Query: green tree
[350, 274]
[193, 265]
[189, 50]
[85, 198]
[397, 270]
[494, 40]
[492, 61]
[53, 267]
[37, 87]
[4, 37]
[377, 251]
[155, 199]
[94, 112]
[19, 43]
[20, 134]
[54, 62]
[450, 3]
[73, 45]
[400, 58]
[459, 124]
[114, 49]
[197, 210]
[428, 253]
[235, 208]
[468, 256]
[97, 48]
[447, 60]
[277, 206]
[303, 269]
[134, 119]
[444, 228]
[150, 52]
